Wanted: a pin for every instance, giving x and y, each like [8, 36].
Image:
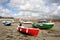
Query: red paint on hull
[31, 31]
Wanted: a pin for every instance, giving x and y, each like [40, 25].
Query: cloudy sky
[30, 8]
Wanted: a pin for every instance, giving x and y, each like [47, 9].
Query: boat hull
[31, 31]
[46, 26]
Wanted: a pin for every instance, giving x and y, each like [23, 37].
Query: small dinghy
[31, 31]
[7, 23]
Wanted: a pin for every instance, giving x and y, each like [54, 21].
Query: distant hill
[1, 17]
[55, 16]
[7, 17]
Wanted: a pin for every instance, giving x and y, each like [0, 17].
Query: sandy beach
[11, 33]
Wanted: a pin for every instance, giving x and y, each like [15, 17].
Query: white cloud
[5, 12]
[32, 8]
[58, 7]
[2, 1]
[27, 4]
[57, 11]
[53, 1]
[35, 14]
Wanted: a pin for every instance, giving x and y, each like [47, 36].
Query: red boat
[31, 31]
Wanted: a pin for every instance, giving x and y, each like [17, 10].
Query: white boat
[28, 22]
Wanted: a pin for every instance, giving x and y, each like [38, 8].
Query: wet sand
[11, 33]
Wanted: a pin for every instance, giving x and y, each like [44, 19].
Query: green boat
[43, 24]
